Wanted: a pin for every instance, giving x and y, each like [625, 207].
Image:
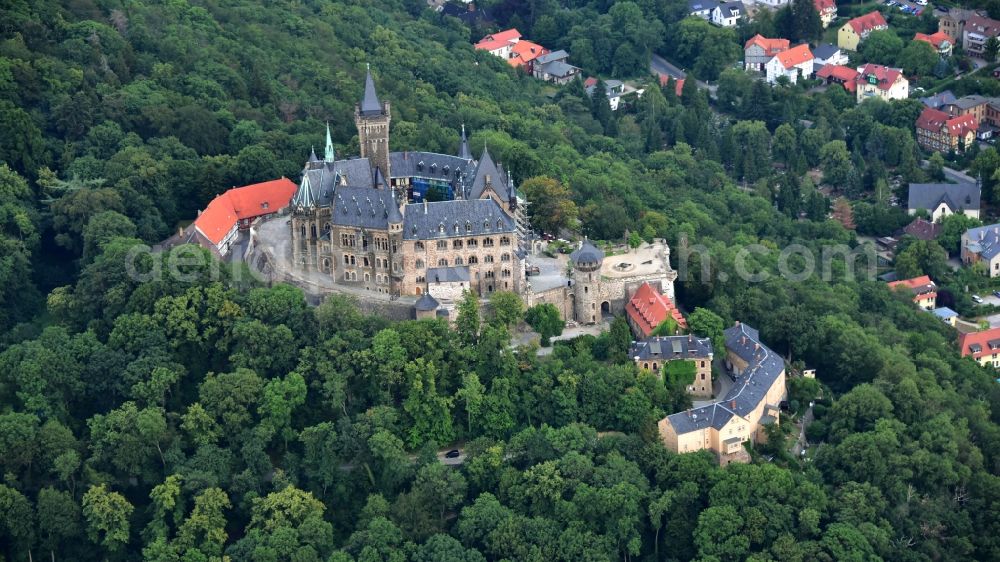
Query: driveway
[662, 67]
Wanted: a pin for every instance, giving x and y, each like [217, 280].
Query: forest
[206, 417]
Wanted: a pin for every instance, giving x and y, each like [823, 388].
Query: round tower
[587, 260]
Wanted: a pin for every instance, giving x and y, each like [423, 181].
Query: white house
[702, 8]
[727, 14]
[943, 199]
[793, 63]
[825, 53]
[983, 244]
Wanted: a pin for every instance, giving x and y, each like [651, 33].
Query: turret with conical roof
[587, 260]
[372, 119]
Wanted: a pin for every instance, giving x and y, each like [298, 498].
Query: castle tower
[372, 119]
[587, 260]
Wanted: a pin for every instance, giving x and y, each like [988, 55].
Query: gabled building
[939, 100]
[974, 105]
[553, 67]
[838, 74]
[523, 55]
[499, 44]
[826, 53]
[727, 14]
[875, 80]
[792, 64]
[827, 10]
[924, 290]
[759, 49]
[647, 309]
[941, 41]
[751, 404]
[943, 199]
[702, 8]
[939, 132]
[946, 315]
[852, 33]
[982, 244]
[953, 21]
[653, 354]
[976, 32]
[923, 229]
[983, 346]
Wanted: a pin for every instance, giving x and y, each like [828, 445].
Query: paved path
[662, 67]
[801, 442]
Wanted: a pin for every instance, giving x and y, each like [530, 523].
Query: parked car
[977, 299]
[996, 294]
[453, 454]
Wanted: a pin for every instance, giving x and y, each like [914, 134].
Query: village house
[923, 289]
[953, 21]
[217, 227]
[657, 354]
[938, 131]
[499, 44]
[826, 53]
[941, 41]
[702, 8]
[939, 100]
[981, 346]
[727, 14]
[827, 10]
[759, 49]
[792, 64]
[615, 89]
[946, 315]
[943, 199]
[751, 404]
[648, 309]
[976, 32]
[552, 67]
[839, 74]
[923, 229]
[982, 244]
[856, 30]
[523, 55]
[875, 80]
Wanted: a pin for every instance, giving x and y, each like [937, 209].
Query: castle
[431, 226]
[394, 222]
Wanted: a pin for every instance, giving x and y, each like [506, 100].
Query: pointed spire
[304, 198]
[463, 149]
[328, 155]
[370, 104]
[312, 155]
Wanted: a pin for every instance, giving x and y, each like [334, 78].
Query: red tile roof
[935, 39]
[868, 22]
[828, 5]
[935, 120]
[648, 308]
[524, 52]
[247, 202]
[978, 344]
[498, 40]
[839, 74]
[885, 76]
[678, 83]
[771, 46]
[922, 287]
[794, 56]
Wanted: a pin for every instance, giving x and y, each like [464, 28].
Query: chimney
[737, 324]
[756, 346]
[732, 404]
[425, 206]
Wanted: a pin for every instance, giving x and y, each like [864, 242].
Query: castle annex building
[405, 223]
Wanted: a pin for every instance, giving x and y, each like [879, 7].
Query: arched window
[505, 257]
[419, 264]
[442, 244]
[506, 273]
[505, 241]
[458, 260]
[419, 246]
[442, 262]
[488, 259]
[456, 244]
[473, 260]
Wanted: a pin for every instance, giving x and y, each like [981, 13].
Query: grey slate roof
[463, 148]
[426, 302]
[486, 168]
[429, 165]
[361, 207]
[749, 387]
[939, 99]
[369, 103]
[700, 5]
[456, 274]
[825, 51]
[587, 253]
[984, 240]
[559, 55]
[323, 177]
[944, 313]
[671, 347]
[968, 102]
[557, 68]
[958, 196]
[472, 217]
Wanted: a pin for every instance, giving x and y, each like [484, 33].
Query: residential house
[217, 227]
[953, 21]
[982, 244]
[678, 83]
[793, 63]
[827, 10]
[647, 309]
[499, 44]
[839, 74]
[946, 315]
[939, 132]
[943, 199]
[524, 53]
[552, 67]
[825, 53]
[727, 14]
[939, 100]
[740, 416]
[982, 346]
[923, 229]
[972, 105]
[759, 49]
[977, 30]
[616, 90]
[923, 289]
[702, 8]
[653, 354]
[941, 41]
[856, 30]
[875, 80]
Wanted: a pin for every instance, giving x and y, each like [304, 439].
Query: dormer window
[468, 226]
[499, 224]
[441, 228]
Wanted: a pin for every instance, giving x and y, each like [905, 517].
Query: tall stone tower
[372, 119]
[587, 260]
